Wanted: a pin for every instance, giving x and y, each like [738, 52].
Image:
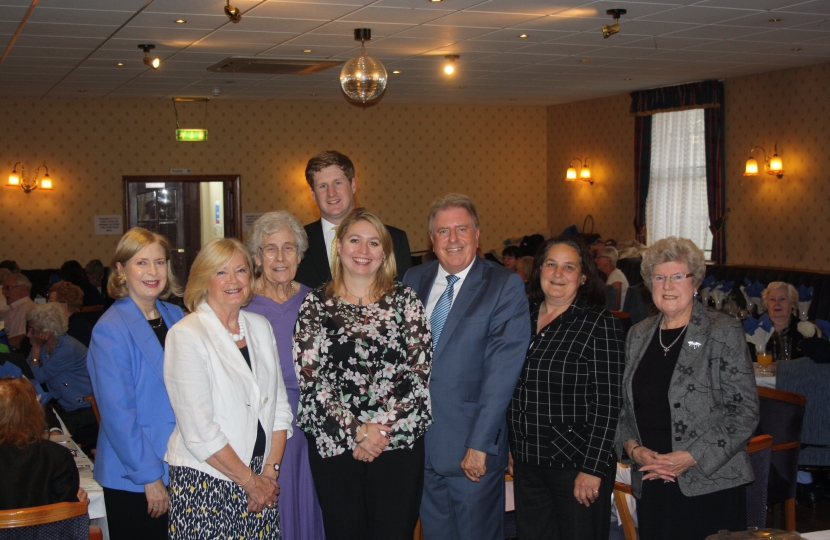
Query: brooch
[694, 344]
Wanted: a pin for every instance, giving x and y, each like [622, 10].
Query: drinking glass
[764, 359]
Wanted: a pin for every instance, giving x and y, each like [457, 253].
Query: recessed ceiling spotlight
[796, 49]
[306, 50]
[628, 79]
[523, 36]
[119, 64]
[776, 20]
[609, 30]
[396, 72]
[180, 21]
[81, 90]
[584, 61]
[315, 95]
[436, 0]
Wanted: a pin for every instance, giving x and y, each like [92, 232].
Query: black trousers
[127, 517]
[369, 501]
[546, 508]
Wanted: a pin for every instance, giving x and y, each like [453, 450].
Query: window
[677, 204]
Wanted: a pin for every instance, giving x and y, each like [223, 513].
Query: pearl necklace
[666, 349]
[241, 335]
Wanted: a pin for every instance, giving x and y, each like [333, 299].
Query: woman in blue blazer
[125, 363]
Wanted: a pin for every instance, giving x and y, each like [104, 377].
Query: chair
[625, 320]
[91, 400]
[805, 377]
[67, 521]
[628, 529]
[760, 453]
[782, 415]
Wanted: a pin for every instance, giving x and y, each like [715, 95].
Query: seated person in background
[606, 259]
[96, 274]
[59, 362]
[510, 256]
[70, 298]
[36, 471]
[4, 275]
[780, 300]
[73, 272]
[16, 290]
[11, 266]
[524, 267]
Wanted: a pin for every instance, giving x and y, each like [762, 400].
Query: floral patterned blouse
[358, 364]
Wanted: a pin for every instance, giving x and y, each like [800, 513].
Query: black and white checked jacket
[564, 410]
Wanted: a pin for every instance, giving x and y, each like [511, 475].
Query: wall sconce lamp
[30, 184]
[449, 68]
[584, 172]
[773, 166]
[609, 30]
[150, 61]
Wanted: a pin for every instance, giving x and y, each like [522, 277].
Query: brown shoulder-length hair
[131, 243]
[385, 277]
[69, 294]
[216, 254]
[22, 421]
[592, 292]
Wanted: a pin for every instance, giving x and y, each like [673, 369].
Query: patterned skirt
[205, 507]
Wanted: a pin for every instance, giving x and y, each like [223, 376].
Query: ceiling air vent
[271, 66]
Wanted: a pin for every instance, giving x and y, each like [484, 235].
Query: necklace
[241, 335]
[265, 291]
[157, 316]
[666, 349]
[359, 298]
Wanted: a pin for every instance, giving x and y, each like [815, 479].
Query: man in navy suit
[481, 329]
[331, 177]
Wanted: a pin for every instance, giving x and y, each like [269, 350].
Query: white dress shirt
[440, 286]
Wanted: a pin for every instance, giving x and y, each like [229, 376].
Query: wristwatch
[276, 466]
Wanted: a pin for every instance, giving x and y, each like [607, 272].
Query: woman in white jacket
[232, 413]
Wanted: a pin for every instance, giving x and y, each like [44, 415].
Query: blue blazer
[64, 371]
[125, 364]
[476, 364]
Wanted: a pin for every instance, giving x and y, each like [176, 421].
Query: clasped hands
[371, 440]
[666, 467]
[263, 491]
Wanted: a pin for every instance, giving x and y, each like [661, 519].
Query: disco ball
[363, 78]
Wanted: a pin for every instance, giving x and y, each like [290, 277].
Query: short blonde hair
[792, 294]
[69, 294]
[211, 258]
[674, 249]
[385, 277]
[130, 244]
[49, 318]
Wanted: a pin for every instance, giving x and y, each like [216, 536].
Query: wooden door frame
[233, 209]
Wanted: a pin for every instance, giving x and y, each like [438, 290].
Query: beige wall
[781, 223]
[405, 155]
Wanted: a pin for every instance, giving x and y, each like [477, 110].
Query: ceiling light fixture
[363, 78]
[776, 20]
[180, 21]
[584, 173]
[119, 64]
[306, 50]
[449, 67]
[150, 61]
[773, 166]
[609, 30]
[233, 13]
[31, 184]
[396, 72]
[523, 36]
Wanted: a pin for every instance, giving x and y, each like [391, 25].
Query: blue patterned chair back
[760, 452]
[805, 377]
[782, 415]
[61, 521]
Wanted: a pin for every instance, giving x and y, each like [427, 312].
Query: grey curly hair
[49, 318]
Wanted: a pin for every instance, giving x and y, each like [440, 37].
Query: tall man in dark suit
[480, 330]
[331, 177]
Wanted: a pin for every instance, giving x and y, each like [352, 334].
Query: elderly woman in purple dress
[277, 243]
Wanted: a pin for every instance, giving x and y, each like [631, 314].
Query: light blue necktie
[442, 310]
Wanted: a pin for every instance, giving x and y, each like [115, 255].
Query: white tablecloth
[817, 535]
[764, 379]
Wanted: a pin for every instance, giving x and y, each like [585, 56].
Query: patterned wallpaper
[405, 156]
[778, 223]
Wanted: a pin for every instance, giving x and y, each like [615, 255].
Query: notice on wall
[248, 220]
[111, 224]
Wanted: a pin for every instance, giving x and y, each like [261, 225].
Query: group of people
[321, 388]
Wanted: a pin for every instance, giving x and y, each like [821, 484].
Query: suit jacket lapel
[143, 335]
[225, 346]
[694, 339]
[317, 247]
[462, 302]
[425, 286]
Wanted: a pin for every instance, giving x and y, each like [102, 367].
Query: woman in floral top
[363, 352]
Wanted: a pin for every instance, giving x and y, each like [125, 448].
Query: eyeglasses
[602, 257]
[270, 251]
[676, 278]
[9, 287]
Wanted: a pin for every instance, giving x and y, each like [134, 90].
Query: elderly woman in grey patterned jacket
[690, 405]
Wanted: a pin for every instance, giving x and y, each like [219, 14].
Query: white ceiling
[70, 48]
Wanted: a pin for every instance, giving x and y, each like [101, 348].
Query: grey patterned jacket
[713, 399]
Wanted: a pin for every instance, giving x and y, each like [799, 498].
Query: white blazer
[216, 398]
